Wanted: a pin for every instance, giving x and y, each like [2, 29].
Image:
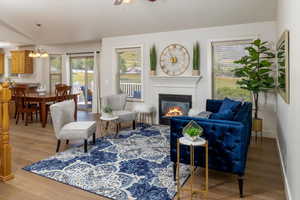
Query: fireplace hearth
[171, 105]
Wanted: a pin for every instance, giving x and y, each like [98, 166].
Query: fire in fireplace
[173, 105]
[174, 111]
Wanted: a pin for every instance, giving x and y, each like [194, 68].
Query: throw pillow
[224, 115]
[229, 104]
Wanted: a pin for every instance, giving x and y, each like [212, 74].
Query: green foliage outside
[227, 87]
[129, 60]
[55, 64]
[255, 70]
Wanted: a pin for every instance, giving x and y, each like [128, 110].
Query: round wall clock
[174, 60]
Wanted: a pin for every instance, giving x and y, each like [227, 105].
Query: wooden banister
[5, 147]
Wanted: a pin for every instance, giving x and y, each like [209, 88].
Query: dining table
[44, 99]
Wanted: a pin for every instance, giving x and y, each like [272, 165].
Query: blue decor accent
[224, 115]
[229, 104]
[136, 165]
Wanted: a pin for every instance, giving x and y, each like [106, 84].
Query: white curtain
[96, 107]
[66, 69]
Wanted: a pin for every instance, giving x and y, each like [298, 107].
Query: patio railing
[132, 89]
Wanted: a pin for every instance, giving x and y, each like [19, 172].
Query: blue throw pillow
[229, 104]
[225, 115]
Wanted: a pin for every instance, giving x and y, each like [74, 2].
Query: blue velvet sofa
[228, 140]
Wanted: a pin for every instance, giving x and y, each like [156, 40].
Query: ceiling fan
[119, 2]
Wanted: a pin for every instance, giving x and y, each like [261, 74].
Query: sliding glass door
[82, 80]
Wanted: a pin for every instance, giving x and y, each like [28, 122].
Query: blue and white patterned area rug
[135, 165]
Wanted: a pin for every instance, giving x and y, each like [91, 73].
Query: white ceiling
[66, 21]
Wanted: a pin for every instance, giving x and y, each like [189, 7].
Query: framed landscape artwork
[283, 83]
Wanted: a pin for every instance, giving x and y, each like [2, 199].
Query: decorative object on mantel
[153, 61]
[192, 131]
[256, 75]
[174, 60]
[196, 59]
[107, 111]
[283, 82]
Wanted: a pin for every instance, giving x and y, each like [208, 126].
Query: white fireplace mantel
[175, 81]
[180, 85]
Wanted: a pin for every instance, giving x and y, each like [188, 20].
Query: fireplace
[171, 105]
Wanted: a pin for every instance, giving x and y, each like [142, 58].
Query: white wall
[265, 30]
[288, 115]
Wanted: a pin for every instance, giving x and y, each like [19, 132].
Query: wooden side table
[145, 113]
[192, 144]
[108, 120]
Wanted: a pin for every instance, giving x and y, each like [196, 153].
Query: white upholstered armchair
[118, 104]
[66, 128]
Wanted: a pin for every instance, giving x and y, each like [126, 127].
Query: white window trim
[116, 72]
[50, 73]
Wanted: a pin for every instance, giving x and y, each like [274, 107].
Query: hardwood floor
[263, 180]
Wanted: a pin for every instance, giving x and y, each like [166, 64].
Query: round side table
[108, 120]
[200, 142]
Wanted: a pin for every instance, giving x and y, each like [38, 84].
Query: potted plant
[107, 111]
[192, 131]
[256, 74]
[153, 61]
[196, 60]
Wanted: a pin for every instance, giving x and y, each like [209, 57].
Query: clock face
[174, 60]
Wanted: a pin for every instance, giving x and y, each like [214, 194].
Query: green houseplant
[107, 111]
[256, 74]
[192, 131]
[153, 60]
[196, 59]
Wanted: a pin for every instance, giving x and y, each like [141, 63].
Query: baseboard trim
[286, 183]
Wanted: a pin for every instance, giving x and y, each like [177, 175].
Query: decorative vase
[152, 72]
[107, 115]
[191, 138]
[196, 72]
[257, 124]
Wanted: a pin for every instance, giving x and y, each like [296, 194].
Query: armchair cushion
[125, 115]
[78, 130]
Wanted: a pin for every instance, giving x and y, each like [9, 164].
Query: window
[130, 77]
[82, 80]
[224, 80]
[55, 71]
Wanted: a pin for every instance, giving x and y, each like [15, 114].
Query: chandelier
[38, 53]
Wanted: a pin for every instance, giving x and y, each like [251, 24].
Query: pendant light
[38, 52]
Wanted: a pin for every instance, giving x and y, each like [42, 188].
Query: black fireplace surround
[167, 101]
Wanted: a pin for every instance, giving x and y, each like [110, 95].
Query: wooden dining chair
[23, 106]
[61, 92]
